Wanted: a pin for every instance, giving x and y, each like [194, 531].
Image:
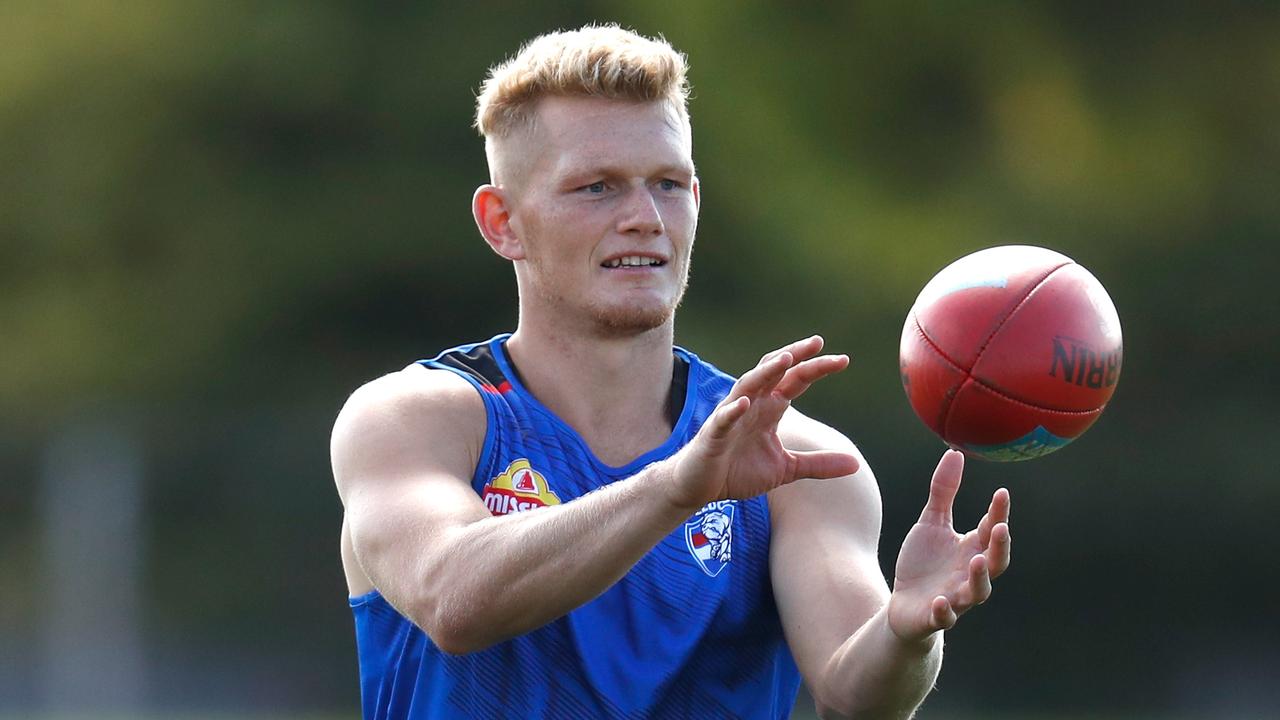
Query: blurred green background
[217, 219]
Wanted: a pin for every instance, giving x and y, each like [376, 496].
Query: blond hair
[593, 61]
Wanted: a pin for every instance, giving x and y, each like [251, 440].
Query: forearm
[875, 674]
[502, 576]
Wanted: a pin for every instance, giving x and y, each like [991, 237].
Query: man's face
[603, 197]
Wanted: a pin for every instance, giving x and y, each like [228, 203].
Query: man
[580, 520]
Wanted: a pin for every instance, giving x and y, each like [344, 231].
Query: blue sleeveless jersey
[690, 632]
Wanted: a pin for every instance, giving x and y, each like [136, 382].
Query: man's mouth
[633, 261]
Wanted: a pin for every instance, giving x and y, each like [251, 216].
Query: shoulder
[801, 432]
[414, 394]
[413, 416]
[416, 388]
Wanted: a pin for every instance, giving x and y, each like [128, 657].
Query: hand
[941, 574]
[737, 453]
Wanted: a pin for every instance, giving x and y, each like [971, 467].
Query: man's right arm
[403, 450]
[405, 447]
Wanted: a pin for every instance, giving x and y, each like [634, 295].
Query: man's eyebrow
[680, 169]
[617, 171]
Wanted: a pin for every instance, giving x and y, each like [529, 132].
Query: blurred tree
[229, 215]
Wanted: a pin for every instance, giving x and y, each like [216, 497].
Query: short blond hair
[593, 61]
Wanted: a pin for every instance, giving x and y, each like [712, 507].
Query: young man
[579, 520]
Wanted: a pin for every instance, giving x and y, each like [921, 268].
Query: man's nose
[640, 214]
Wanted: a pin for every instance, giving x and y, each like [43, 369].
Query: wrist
[877, 673]
[675, 479]
[921, 638]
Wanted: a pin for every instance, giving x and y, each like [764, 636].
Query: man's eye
[668, 184]
[596, 187]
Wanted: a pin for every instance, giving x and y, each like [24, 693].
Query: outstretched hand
[940, 573]
[737, 453]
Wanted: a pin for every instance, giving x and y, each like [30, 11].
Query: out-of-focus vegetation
[217, 219]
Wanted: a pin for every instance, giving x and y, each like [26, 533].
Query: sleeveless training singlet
[691, 631]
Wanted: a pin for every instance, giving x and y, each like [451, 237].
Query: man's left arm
[863, 651]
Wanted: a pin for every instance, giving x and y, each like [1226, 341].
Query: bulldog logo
[709, 535]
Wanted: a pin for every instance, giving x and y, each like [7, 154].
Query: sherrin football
[1010, 353]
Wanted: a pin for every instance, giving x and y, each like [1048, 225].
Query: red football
[1011, 353]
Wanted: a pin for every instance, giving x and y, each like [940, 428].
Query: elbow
[452, 645]
[453, 628]
[451, 639]
[450, 632]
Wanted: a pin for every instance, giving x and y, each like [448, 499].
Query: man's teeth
[632, 261]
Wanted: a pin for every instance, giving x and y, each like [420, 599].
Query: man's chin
[631, 321]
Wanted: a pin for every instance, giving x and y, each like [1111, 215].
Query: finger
[801, 376]
[763, 377]
[998, 553]
[1003, 503]
[726, 416]
[943, 488]
[997, 513]
[823, 464]
[979, 580]
[800, 349]
[942, 616]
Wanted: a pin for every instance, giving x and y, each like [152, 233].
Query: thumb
[823, 464]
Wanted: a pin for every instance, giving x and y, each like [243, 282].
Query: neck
[612, 390]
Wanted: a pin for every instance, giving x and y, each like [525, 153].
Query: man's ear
[697, 193]
[492, 212]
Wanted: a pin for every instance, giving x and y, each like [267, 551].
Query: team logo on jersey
[709, 535]
[517, 489]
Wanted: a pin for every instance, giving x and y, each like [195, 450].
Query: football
[1011, 353]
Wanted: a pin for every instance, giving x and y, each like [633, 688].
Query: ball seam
[945, 411]
[970, 377]
[994, 391]
[1013, 311]
[982, 349]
